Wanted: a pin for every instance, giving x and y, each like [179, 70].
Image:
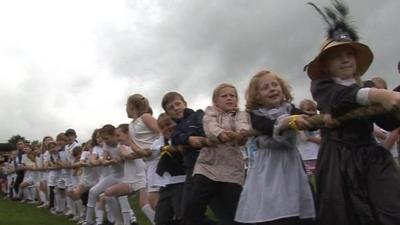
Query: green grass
[15, 213]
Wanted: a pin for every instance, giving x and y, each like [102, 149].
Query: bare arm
[150, 122]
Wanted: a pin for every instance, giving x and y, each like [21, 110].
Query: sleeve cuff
[362, 96]
[286, 137]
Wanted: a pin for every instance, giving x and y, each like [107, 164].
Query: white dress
[144, 137]
[89, 176]
[308, 150]
[277, 186]
[134, 172]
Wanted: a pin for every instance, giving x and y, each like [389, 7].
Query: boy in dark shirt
[188, 136]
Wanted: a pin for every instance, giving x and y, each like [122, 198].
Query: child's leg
[145, 206]
[153, 198]
[100, 208]
[51, 196]
[32, 193]
[125, 209]
[84, 197]
[95, 192]
[21, 189]
[118, 190]
[228, 194]
[61, 201]
[203, 191]
[114, 209]
[164, 211]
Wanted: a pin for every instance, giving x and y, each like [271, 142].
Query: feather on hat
[339, 33]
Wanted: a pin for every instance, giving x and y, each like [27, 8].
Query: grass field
[15, 213]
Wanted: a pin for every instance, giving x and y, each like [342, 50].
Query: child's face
[36, 150]
[131, 111]
[53, 148]
[71, 138]
[270, 91]
[167, 126]
[309, 108]
[27, 149]
[47, 140]
[176, 108]
[226, 99]
[61, 142]
[341, 62]
[109, 139]
[120, 135]
[20, 145]
[99, 140]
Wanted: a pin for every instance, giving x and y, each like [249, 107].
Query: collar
[186, 113]
[344, 82]
[284, 109]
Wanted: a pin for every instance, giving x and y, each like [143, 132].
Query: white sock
[149, 212]
[70, 204]
[109, 215]
[42, 197]
[125, 209]
[99, 215]
[26, 193]
[78, 208]
[32, 193]
[114, 209]
[62, 203]
[133, 216]
[56, 199]
[90, 215]
[126, 218]
[20, 192]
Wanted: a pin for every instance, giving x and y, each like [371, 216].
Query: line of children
[201, 166]
[197, 162]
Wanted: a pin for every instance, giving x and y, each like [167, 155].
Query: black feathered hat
[339, 33]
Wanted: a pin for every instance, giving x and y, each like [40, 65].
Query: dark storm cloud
[199, 44]
[189, 46]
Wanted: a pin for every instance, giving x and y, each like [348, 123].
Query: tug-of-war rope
[317, 121]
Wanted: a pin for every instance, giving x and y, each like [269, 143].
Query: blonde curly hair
[253, 99]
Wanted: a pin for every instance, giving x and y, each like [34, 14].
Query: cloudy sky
[74, 63]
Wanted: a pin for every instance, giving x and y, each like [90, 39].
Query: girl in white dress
[110, 158]
[134, 179]
[29, 164]
[308, 141]
[44, 173]
[276, 190]
[144, 131]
